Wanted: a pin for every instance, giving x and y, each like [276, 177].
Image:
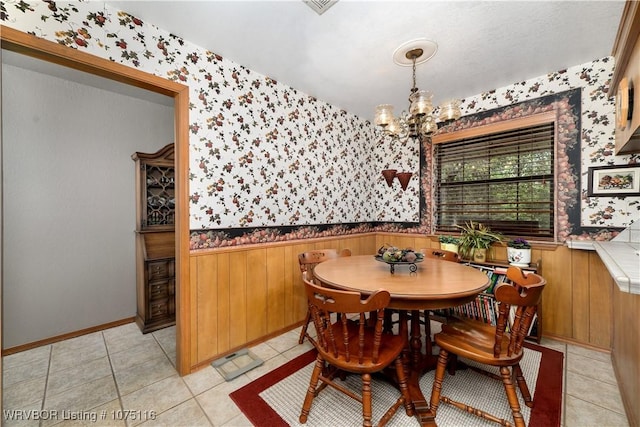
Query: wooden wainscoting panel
[193, 320]
[257, 293]
[288, 285]
[399, 240]
[243, 295]
[238, 298]
[299, 301]
[425, 242]
[580, 294]
[275, 289]
[224, 309]
[556, 300]
[600, 303]
[626, 350]
[206, 316]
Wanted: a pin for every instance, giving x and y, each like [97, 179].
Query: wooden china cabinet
[155, 239]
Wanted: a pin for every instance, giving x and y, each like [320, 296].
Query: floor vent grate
[320, 6]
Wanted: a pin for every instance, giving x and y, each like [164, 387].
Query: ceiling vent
[320, 6]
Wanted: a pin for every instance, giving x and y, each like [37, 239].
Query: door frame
[27, 44]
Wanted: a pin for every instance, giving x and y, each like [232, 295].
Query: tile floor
[120, 373]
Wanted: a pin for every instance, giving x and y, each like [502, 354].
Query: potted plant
[475, 239]
[519, 252]
[449, 243]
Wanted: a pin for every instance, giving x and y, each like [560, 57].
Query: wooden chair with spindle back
[307, 261]
[440, 254]
[352, 344]
[500, 345]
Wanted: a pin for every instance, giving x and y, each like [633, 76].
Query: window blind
[504, 180]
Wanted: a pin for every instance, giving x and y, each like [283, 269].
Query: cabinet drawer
[159, 308]
[158, 289]
[160, 269]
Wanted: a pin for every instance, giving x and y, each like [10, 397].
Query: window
[503, 179]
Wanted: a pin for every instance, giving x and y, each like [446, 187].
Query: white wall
[69, 202]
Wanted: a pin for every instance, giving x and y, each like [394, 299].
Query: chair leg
[436, 390]
[303, 332]
[404, 389]
[311, 391]
[366, 400]
[522, 385]
[512, 396]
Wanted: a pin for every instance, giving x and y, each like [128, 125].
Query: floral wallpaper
[268, 162]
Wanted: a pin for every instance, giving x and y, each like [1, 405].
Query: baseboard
[46, 341]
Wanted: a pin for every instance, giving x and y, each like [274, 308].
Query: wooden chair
[308, 261]
[351, 345]
[440, 254]
[494, 345]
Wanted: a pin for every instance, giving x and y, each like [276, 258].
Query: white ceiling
[344, 56]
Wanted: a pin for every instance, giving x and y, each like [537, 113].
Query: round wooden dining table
[435, 284]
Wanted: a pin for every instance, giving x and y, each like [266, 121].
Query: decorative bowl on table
[394, 256]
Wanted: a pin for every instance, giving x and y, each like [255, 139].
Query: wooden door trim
[30, 45]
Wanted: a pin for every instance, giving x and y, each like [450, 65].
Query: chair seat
[475, 340]
[390, 347]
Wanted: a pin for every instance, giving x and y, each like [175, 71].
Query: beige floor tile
[166, 337]
[284, 342]
[203, 380]
[140, 354]
[79, 343]
[298, 350]
[83, 397]
[217, 404]
[187, 413]
[63, 357]
[264, 351]
[156, 398]
[60, 381]
[238, 421]
[580, 413]
[266, 367]
[603, 356]
[128, 329]
[125, 337]
[142, 375]
[23, 394]
[24, 372]
[27, 357]
[601, 394]
[22, 416]
[592, 368]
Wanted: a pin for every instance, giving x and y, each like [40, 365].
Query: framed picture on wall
[617, 180]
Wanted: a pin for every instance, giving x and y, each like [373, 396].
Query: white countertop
[623, 262]
[620, 255]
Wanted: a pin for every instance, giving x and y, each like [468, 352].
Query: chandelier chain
[414, 88]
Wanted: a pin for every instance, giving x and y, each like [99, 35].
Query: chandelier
[419, 121]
